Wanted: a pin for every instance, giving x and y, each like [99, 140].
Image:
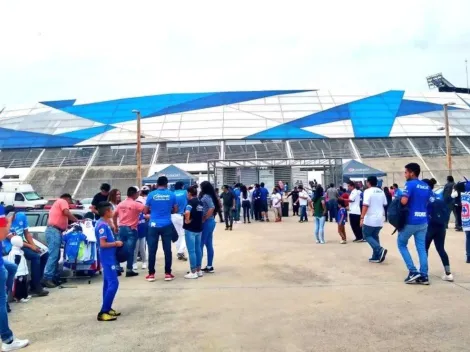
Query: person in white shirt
[276, 198]
[372, 218]
[245, 201]
[303, 202]
[355, 211]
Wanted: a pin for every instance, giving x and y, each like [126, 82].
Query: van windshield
[31, 196]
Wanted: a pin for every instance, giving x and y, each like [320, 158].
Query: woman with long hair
[114, 197]
[319, 211]
[246, 203]
[210, 207]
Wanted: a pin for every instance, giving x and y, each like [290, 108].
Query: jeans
[38, 263]
[54, 240]
[193, 241]
[419, 232]
[246, 204]
[371, 235]
[467, 244]
[437, 233]
[458, 216]
[5, 332]
[295, 209]
[303, 213]
[177, 220]
[332, 209]
[355, 222]
[140, 247]
[128, 236]
[320, 228]
[228, 215]
[207, 240]
[152, 243]
[110, 286]
[237, 211]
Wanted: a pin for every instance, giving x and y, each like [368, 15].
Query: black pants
[257, 209]
[355, 221]
[295, 209]
[458, 216]
[221, 218]
[228, 215]
[246, 206]
[385, 210]
[153, 237]
[437, 233]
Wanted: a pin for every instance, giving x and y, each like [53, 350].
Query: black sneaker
[382, 255]
[8, 308]
[208, 269]
[131, 274]
[422, 280]
[182, 257]
[39, 293]
[230, 228]
[48, 283]
[372, 260]
[412, 277]
[468, 260]
[357, 240]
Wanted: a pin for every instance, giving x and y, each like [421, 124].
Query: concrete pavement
[274, 290]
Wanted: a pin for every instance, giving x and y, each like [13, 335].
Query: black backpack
[439, 212]
[397, 214]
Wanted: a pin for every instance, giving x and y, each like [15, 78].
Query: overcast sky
[97, 50]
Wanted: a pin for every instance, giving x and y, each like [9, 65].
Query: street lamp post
[448, 146]
[138, 150]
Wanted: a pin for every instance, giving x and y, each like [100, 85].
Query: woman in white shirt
[276, 198]
[245, 200]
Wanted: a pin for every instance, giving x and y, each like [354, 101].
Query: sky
[99, 50]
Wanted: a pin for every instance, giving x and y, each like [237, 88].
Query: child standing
[276, 198]
[107, 245]
[341, 219]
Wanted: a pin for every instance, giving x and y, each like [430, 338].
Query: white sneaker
[317, 241]
[191, 276]
[15, 345]
[449, 278]
[343, 242]
[144, 266]
[200, 273]
[134, 267]
[322, 242]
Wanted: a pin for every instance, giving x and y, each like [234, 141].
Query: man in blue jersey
[236, 193]
[177, 219]
[160, 203]
[415, 196]
[264, 202]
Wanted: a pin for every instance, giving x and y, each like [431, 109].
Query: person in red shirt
[128, 212]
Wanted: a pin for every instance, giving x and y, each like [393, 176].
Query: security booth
[174, 174]
[357, 171]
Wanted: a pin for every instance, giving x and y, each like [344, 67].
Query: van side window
[45, 219]
[19, 197]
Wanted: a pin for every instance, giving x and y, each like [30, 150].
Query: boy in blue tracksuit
[107, 245]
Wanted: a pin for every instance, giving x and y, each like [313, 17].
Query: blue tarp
[356, 169]
[173, 174]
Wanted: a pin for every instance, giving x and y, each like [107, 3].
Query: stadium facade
[51, 139]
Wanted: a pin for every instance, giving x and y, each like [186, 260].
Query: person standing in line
[128, 212]
[209, 208]
[236, 193]
[447, 194]
[462, 190]
[142, 230]
[59, 216]
[193, 231]
[107, 248]
[372, 218]
[276, 198]
[177, 219]
[397, 192]
[355, 211]
[228, 200]
[457, 203]
[416, 196]
[161, 203]
[257, 202]
[392, 192]
[303, 202]
[319, 212]
[102, 196]
[388, 195]
[437, 230]
[114, 197]
[246, 203]
[251, 190]
[221, 218]
[342, 218]
[264, 202]
[7, 275]
[333, 195]
[295, 205]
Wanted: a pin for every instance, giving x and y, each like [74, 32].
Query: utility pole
[138, 150]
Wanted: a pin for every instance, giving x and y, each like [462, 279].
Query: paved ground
[274, 290]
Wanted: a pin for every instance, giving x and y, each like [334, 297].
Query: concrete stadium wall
[394, 167]
[52, 182]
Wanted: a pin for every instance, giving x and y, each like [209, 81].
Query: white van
[22, 197]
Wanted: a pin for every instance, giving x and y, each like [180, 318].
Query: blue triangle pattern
[411, 107]
[59, 104]
[285, 132]
[16, 139]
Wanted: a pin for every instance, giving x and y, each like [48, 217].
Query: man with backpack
[415, 196]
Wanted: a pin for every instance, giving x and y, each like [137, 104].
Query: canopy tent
[355, 169]
[173, 174]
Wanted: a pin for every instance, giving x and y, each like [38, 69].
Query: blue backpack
[397, 214]
[438, 212]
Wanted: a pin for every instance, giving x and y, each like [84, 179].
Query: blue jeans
[153, 236]
[207, 240]
[38, 263]
[303, 213]
[371, 235]
[237, 212]
[128, 236]
[193, 243]
[110, 286]
[319, 228]
[332, 209]
[419, 232]
[6, 280]
[467, 244]
[54, 240]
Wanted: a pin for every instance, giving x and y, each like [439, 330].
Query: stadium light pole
[448, 149]
[139, 150]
